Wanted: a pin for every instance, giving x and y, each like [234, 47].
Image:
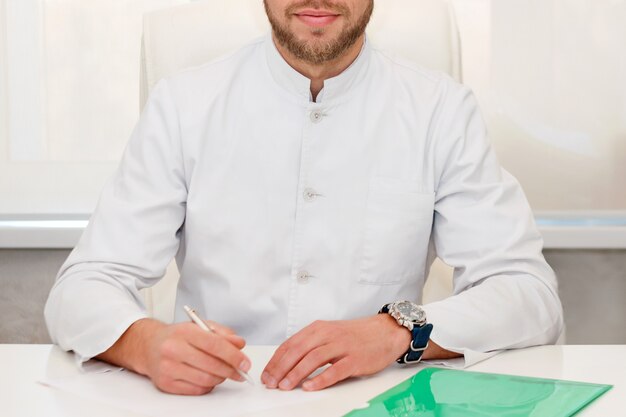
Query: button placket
[301, 277]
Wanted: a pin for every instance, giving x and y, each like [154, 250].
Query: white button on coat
[316, 116]
[309, 194]
[303, 277]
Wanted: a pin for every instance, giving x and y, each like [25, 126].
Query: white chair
[423, 31]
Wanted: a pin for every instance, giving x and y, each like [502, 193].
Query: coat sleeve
[505, 294]
[129, 241]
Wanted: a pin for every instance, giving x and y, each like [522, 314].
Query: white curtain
[69, 97]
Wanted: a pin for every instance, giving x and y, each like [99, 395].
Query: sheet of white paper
[95, 366]
[129, 391]
[470, 358]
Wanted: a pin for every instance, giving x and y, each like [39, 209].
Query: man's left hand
[351, 347]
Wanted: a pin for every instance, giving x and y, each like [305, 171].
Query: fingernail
[264, 376]
[285, 384]
[245, 365]
[308, 385]
[270, 382]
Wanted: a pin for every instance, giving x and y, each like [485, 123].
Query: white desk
[22, 365]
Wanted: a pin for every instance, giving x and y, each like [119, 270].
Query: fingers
[220, 348]
[183, 388]
[208, 364]
[190, 361]
[292, 351]
[178, 371]
[339, 371]
[353, 347]
[316, 358]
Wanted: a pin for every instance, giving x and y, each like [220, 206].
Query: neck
[318, 73]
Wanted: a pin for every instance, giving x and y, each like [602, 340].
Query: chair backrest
[423, 31]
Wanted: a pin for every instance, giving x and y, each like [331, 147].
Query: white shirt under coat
[282, 211]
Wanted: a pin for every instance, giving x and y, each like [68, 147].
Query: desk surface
[23, 365]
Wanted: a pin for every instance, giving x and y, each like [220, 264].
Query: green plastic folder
[454, 393]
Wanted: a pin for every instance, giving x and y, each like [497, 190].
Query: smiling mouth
[316, 18]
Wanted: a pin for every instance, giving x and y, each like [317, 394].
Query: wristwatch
[413, 317]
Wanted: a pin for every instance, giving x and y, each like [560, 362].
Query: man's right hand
[180, 358]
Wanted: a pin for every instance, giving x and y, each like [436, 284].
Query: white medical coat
[281, 211]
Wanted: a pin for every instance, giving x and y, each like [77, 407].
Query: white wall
[550, 78]
[69, 98]
[548, 73]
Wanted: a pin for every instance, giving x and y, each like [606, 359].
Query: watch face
[411, 311]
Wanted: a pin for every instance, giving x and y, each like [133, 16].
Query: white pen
[196, 319]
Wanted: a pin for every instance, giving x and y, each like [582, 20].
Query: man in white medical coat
[305, 183]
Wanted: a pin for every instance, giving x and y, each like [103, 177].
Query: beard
[319, 51]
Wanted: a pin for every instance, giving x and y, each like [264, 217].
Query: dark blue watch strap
[420, 335]
[419, 343]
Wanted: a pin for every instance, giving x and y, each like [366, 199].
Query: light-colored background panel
[558, 99]
[549, 77]
[23, 34]
[91, 52]
[50, 188]
[69, 85]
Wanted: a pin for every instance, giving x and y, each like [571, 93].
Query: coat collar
[299, 85]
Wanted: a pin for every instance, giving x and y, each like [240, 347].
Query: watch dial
[412, 311]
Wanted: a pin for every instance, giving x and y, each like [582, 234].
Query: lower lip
[317, 21]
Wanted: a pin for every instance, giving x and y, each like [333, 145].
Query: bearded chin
[318, 51]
